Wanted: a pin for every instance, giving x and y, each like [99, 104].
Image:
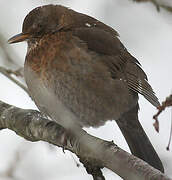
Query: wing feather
[118, 59]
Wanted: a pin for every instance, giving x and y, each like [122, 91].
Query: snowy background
[148, 36]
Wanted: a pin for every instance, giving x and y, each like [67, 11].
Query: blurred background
[144, 31]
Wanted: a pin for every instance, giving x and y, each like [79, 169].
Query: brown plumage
[80, 74]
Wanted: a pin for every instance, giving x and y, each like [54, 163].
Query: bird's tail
[137, 139]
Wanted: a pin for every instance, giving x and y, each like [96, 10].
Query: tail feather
[137, 139]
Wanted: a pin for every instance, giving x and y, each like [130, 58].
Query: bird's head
[53, 18]
[43, 20]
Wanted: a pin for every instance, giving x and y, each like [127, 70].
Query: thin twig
[6, 73]
[8, 52]
[157, 5]
[18, 72]
[168, 146]
[165, 104]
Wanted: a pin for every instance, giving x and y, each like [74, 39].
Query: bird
[80, 74]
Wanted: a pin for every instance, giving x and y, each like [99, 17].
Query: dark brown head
[43, 20]
[52, 18]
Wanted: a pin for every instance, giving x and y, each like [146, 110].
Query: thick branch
[31, 125]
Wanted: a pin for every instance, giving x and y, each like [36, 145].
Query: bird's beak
[19, 38]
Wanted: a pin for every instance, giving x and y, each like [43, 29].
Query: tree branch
[7, 73]
[31, 125]
[157, 4]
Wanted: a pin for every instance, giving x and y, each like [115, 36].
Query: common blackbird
[79, 73]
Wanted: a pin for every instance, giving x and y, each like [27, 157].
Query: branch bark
[31, 125]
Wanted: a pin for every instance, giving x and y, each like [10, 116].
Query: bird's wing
[137, 81]
[119, 59]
